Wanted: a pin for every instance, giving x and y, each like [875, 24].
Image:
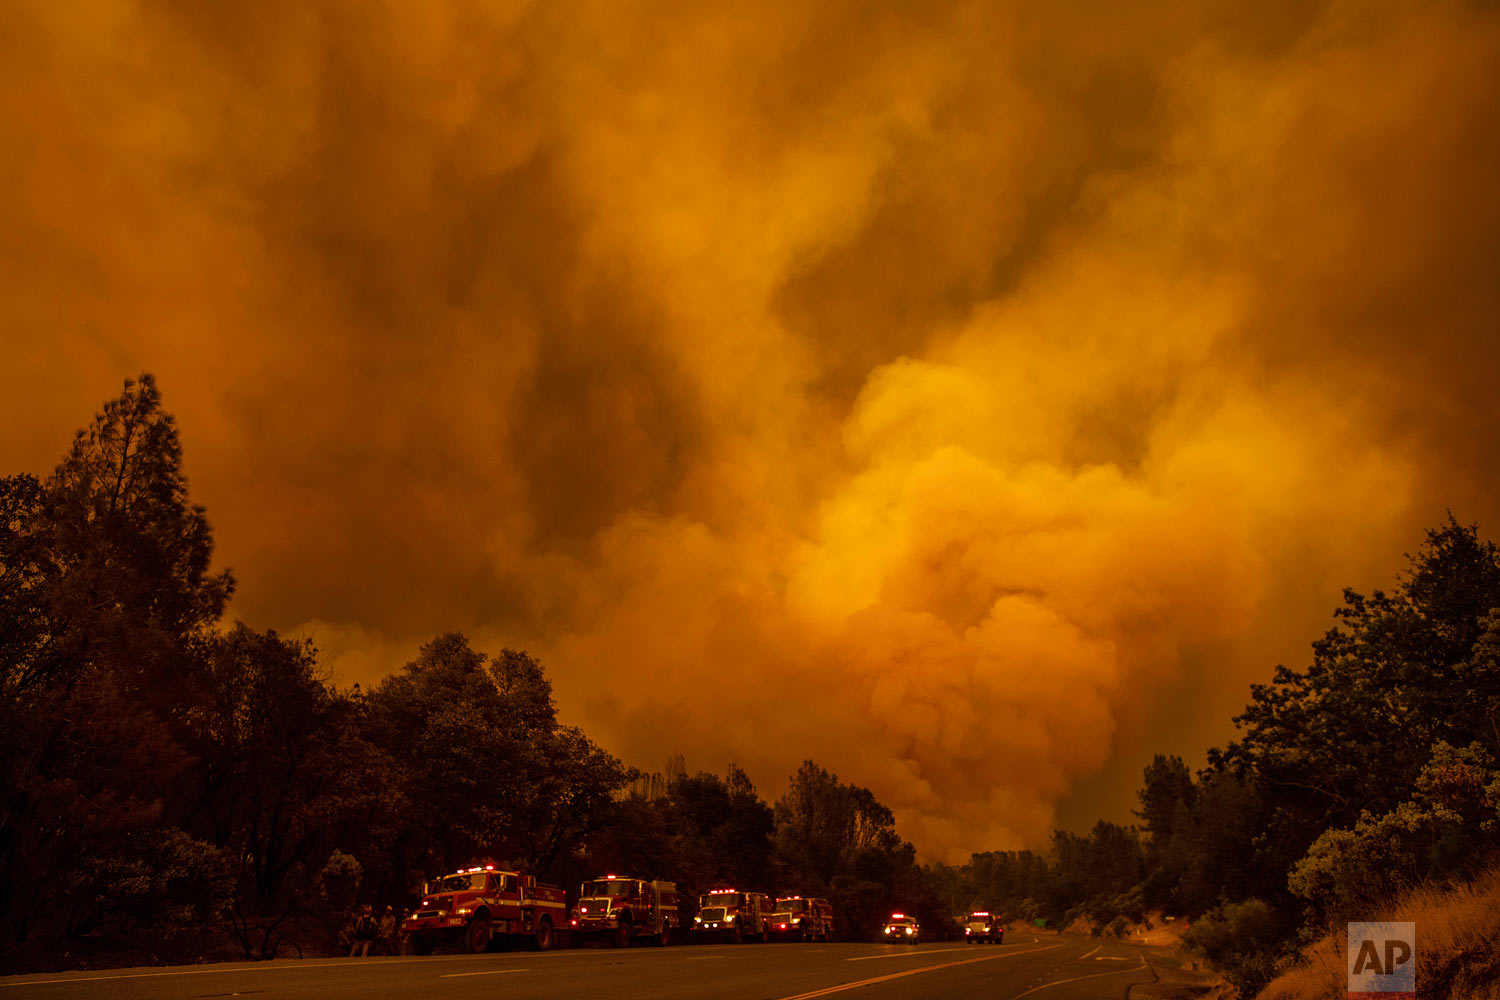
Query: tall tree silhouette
[106, 598]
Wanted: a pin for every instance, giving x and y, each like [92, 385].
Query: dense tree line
[172, 783]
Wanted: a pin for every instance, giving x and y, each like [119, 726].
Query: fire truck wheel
[621, 937]
[544, 935]
[477, 935]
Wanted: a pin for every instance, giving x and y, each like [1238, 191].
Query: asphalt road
[1045, 967]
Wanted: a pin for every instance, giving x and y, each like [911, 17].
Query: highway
[1045, 967]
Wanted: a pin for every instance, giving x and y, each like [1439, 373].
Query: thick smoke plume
[972, 397]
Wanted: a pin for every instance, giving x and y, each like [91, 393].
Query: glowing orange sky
[973, 397]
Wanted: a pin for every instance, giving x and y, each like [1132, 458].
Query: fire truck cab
[473, 906]
[799, 918]
[731, 915]
[617, 909]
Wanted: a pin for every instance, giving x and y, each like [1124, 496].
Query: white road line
[286, 965]
[702, 958]
[909, 954]
[1100, 948]
[487, 972]
[201, 972]
[1075, 979]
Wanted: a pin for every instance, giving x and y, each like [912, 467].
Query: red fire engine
[732, 915]
[802, 918]
[619, 909]
[477, 904]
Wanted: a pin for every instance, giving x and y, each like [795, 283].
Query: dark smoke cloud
[973, 397]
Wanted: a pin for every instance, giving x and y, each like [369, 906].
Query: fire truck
[802, 919]
[731, 915]
[617, 909]
[474, 906]
[981, 926]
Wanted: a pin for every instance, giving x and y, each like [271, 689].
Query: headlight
[729, 920]
[462, 911]
[887, 930]
[796, 920]
[910, 931]
[697, 920]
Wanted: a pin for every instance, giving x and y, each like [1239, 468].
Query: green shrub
[1244, 940]
[1449, 821]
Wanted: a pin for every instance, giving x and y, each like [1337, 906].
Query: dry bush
[1457, 953]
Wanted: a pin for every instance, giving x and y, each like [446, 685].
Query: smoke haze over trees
[1369, 773]
[1019, 377]
[173, 783]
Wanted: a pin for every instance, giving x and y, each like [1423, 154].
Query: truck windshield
[458, 883]
[722, 899]
[609, 887]
[792, 905]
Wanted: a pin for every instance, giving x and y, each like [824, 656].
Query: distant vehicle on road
[474, 906]
[982, 926]
[799, 918]
[731, 915]
[617, 909]
[902, 929]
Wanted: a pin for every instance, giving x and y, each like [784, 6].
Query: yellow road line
[1075, 979]
[487, 972]
[911, 972]
[906, 954]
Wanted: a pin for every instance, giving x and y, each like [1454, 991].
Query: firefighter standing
[388, 931]
[364, 932]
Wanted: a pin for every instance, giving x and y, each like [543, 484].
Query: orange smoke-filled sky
[973, 397]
